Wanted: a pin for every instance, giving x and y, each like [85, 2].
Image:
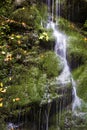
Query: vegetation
[28, 64]
[77, 58]
[76, 55]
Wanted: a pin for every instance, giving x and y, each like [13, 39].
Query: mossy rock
[66, 26]
[28, 15]
[76, 55]
[47, 40]
[51, 64]
[80, 75]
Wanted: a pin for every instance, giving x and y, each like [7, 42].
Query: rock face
[75, 10]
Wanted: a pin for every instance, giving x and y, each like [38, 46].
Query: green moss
[29, 83]
[80, 75]
[30, 91]
[77, 58]
[82, 85]
[66, 26]
[76, 55]
[6, 7]
[29, 15]
[77, 72]
[44, 16]
[77, 44]
[2, 125]
[51, 64]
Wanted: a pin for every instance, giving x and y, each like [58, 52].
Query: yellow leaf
[12, 35]
[13, 100]
[42, 56]
[23, 8]
[3, 91]
[19, 42]
[1, 84]
[17, 99]
[85, 39]
[18, 36]
[44, 33]
[1, 104]
[41, 37]
[24, 24]
[10, 78]
[47, 38]
[25, 52]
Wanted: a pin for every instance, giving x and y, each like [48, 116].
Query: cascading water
[77, 100]
[60, 50]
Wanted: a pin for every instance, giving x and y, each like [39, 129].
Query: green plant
[50, 64]
[44, 36]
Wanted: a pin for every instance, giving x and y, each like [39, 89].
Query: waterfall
[60, 44]
[49, 6]
[52, 10]
[60, 50]
[77, 101]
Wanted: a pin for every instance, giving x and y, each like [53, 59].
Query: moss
[28, 84]
[77, 44]
[2, 125]
[81, 76]
[6, 7]
[44, 16]
[30, 16]
[24, 69]
[51, 64]
[77, 56]
[66, 26]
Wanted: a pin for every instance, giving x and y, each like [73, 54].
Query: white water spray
[77, 101]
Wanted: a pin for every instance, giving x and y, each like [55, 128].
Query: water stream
[60, 50]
